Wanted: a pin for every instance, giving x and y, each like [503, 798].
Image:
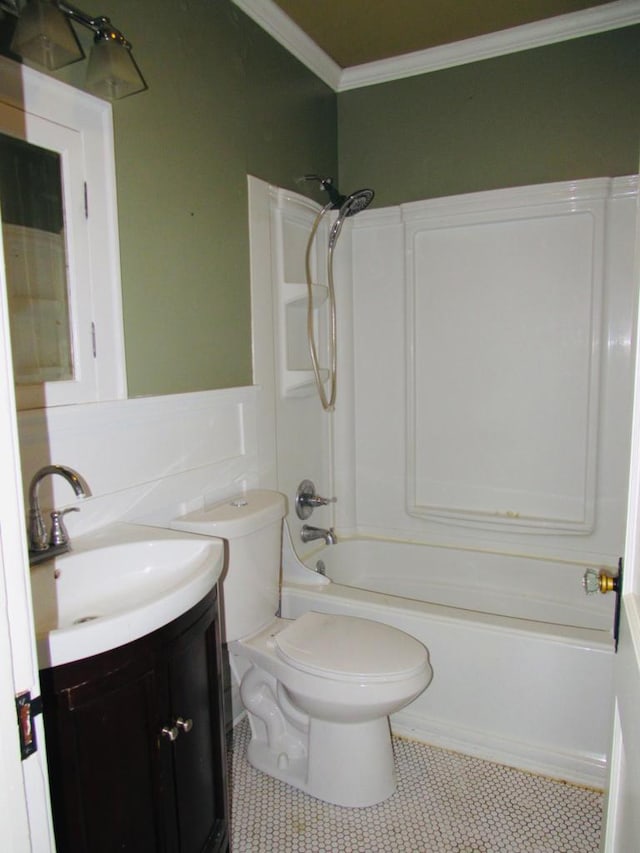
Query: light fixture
[112, 72]
[44, 35]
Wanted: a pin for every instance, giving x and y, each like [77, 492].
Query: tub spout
[308, 534]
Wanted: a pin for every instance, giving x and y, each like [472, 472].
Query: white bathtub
[522, 659]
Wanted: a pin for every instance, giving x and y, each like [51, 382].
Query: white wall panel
[541, 392]
[503, 334]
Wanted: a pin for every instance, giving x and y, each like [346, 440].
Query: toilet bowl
[318, 690]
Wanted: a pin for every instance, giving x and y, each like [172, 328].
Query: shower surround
[484, 400]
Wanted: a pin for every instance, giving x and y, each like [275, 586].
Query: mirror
[33, 232]
[60, 238]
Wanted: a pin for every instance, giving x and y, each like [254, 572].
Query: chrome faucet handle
[59, 535]
[307, 500]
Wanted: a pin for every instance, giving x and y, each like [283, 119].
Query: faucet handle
[307, 500]
[59, 535]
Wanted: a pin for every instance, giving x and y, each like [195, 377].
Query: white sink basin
[116, 586]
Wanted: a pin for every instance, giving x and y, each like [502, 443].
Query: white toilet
[318, 689]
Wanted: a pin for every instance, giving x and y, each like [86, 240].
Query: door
[102, 723]
[23, 785]
[622, 829]
[195, 685]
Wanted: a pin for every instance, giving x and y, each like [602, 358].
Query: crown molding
[611, 16]
[280, 26]
[269, 16]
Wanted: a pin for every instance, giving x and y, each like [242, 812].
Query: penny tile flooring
[445, 803]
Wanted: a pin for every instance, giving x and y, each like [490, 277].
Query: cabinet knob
[170, 732]
[184, 725]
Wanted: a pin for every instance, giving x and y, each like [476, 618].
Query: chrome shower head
[356, 202]
[347, 205]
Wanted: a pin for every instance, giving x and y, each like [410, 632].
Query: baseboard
[579, 768]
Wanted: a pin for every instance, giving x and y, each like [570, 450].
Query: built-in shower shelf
[292, 219]
[298, 294]
[296, 376]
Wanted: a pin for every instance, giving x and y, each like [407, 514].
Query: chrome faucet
[38, 537]
[307, 499]
[308, 534]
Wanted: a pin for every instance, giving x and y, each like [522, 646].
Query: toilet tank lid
[235, 516]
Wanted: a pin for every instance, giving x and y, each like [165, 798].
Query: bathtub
[522, 659]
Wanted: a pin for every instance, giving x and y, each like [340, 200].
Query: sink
[117, 585]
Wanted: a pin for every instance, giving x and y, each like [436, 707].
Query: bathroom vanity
[136, 743]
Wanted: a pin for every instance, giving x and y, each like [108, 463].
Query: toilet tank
[252, 525]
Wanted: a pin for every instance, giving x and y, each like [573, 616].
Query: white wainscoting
[145, 459]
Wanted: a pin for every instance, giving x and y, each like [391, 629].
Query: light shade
[44, 35]
[112, 72]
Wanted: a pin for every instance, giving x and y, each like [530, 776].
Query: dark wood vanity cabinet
[136, 743]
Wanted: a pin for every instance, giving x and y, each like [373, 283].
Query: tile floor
[445, 803]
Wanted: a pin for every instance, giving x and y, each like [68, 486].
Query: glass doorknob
[594, 581]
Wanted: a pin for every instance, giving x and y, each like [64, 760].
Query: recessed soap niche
[292, 219]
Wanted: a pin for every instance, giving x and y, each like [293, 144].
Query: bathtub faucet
[308, 534]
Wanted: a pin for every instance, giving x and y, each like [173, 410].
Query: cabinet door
[199, 751]
[135, 742]
[102, 740]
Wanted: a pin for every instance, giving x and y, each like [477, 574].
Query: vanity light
[112, 72]
[44, 34]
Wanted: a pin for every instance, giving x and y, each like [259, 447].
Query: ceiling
[353, 32]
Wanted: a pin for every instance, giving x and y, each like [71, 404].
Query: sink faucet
[308, 534]
[38, 539]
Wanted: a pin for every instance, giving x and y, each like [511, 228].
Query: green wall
[224, 100]
[555, 113]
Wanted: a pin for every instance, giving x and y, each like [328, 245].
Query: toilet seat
[348, 648]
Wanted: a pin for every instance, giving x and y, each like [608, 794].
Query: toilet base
[348, 764]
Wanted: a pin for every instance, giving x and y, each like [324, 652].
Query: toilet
[318, 690]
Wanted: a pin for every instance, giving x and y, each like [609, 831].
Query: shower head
[347, 205]
[356, 202]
